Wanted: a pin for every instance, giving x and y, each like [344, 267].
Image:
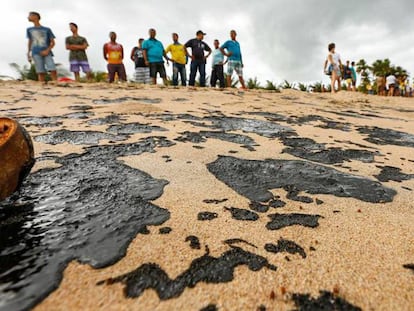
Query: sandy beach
[162, 198]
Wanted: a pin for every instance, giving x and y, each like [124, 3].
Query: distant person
[381, 86]
[198, 58]
[40, 45]
[142, 71]
[347, 75]
[333, 61]
[179, 60]
[153, 55]
[353, 76]
[391, 83]
[217, 72]
[78, 59]
[114, 54]
[235, 61]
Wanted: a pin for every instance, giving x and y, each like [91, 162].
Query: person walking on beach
[153, 55]
[198, 58]
[235, 61]
[142, 72]
[217, 72]
[353, 76]
[78, 59]
[179, 59]
[334, 68]
[114, 54]
[41, 41]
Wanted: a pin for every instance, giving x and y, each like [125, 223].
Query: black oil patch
[89, 210]
[253, 179]
[207, 269]
[110, 119]
[277, 203]
[325, 301]
[231, 242]
[165, 230]
[381, 136]
[214, 201]
[242, 214]
[409, 266]
[41, 121]
[80, 107]
[202, 137]
[121, 100]
[76, 137]
[132, 128]
[308, 149]
[293, 194]
[260, 127]
[392, 173]
[210, 307]
[279, 221]
[258, 207]
[202, 216]
[194, 242]
[285, 246]
[82, 115]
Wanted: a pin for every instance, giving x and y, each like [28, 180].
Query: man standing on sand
[179, 59]
[113, 52]
[153, 55]
[142, 72]
[198, 58]
[235, 61]
[217, 72]
[77, 55]
[39, 48]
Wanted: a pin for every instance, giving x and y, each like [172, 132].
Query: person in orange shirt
[114, 54]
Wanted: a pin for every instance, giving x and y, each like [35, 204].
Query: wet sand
[153, 198]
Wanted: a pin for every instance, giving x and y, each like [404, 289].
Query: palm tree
[364, 70]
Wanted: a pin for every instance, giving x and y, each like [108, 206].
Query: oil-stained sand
[148, 198]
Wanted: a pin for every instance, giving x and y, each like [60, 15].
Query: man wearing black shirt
[198, 58]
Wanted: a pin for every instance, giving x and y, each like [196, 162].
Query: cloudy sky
[280, 39]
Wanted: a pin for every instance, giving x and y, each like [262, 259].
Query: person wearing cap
[235, 61]
[179, 59]
[198, 58]
[153, 55]
[78, 59]
[41, 41]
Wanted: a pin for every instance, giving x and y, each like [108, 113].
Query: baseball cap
[200, 32]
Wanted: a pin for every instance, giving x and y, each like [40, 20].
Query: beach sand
[230, 234]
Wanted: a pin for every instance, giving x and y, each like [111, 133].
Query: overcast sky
[280, 39]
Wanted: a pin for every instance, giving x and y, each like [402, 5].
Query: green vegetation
[370, 77]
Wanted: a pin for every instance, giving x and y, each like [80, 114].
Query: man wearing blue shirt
[40, 45]
[153, 51]
[231, 49]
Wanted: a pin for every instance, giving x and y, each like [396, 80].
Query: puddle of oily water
[89, 210]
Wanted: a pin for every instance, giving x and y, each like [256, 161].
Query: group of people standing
[148, 56]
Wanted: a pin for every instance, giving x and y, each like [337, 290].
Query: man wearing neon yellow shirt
[179, 58]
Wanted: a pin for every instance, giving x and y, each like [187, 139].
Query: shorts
[157, 67]
[44, 63]
[76, 65]
[234, 65]
[142, 75]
